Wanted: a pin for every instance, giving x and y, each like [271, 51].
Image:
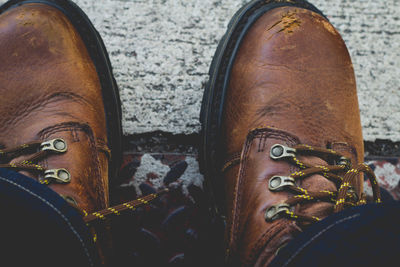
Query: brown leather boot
[59, 97]
[281, 128]
[59, 108]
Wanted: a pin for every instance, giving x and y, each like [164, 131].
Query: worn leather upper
[50, 89]
[293, 79]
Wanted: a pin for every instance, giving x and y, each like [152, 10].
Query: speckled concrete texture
[161, 51]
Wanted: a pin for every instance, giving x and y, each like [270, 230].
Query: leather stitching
[266, 237]
[73, 128]
[258, 133]
[340, 146]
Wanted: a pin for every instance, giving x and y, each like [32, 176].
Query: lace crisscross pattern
[38, 150]
[340, 172]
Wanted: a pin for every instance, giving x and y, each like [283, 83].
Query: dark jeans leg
[363, 236]
[39, 228]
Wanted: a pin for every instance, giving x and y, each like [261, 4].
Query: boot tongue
[315, 183]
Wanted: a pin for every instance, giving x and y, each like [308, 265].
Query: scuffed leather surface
[292, 72]
[251, 195]
[301, 81]
[49, 88]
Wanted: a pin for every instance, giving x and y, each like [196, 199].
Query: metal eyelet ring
[59, 175]
[279, 151]
[57, 145]
[273, 212]
[344, 161]
[352, 192]
[277, 183]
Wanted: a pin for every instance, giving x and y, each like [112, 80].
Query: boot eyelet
[279, 151]
[57, 145]
[344, 161]
[278, 183]
[353, 195]
[58, 175]
[273, 212]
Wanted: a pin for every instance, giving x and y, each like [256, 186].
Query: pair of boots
[282, 145]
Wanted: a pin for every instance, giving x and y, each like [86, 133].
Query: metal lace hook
[274, 212]
[279, 151]
[58, 175]
[278, 183]
[56, 145]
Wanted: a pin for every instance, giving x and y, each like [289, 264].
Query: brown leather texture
[50, 89]
[292, 78]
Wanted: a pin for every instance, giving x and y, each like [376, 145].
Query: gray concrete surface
[161, 51]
